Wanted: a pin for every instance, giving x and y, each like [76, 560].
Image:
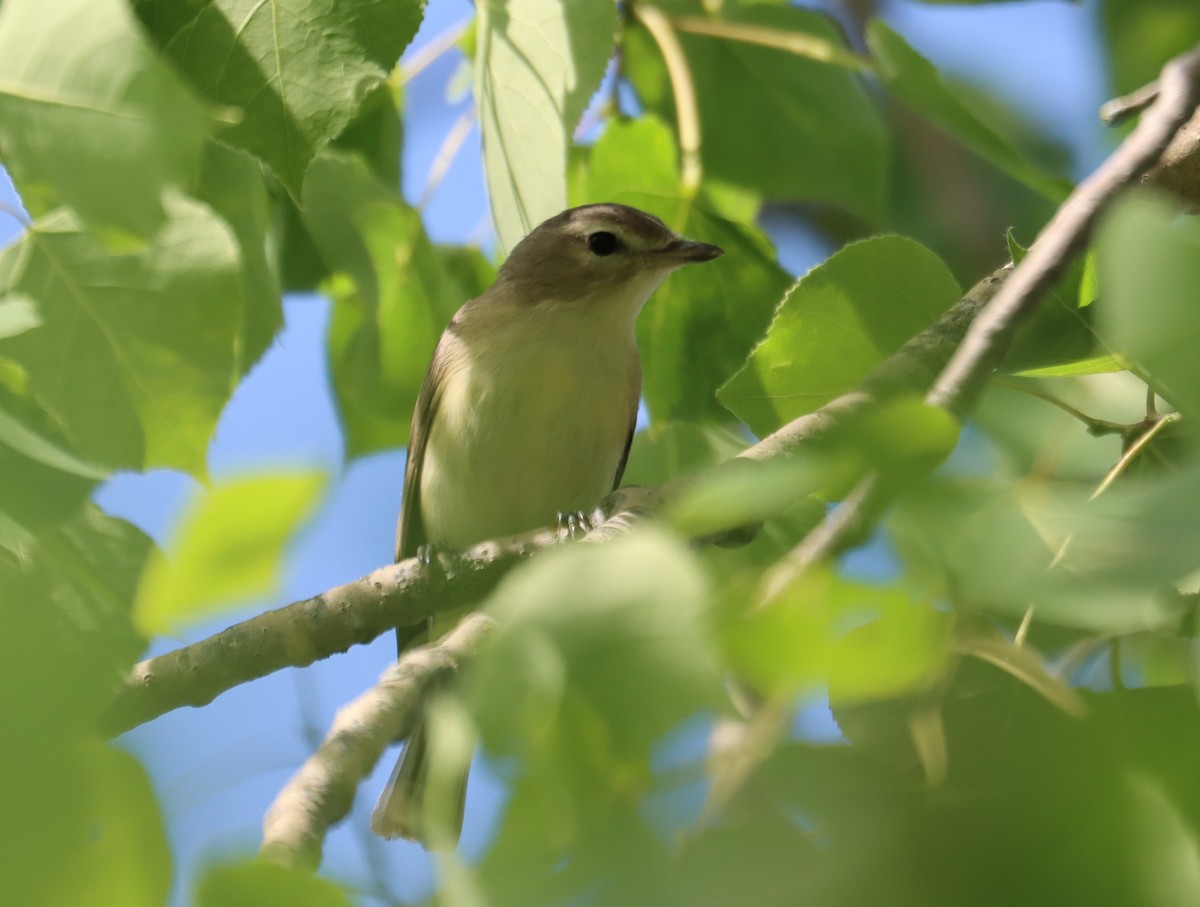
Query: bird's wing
[635, 393]
[410, 528]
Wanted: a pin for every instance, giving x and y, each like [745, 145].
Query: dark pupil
[602, 243]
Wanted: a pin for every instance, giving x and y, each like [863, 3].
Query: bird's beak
[686, 252]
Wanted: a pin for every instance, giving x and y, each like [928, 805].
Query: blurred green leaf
[1143, 34]
[913, 80]
[122, 856]
[18, 314]
[296, 73]
[537, 64]
[699, 326]
[136, 354]
[679, 449]
[836, 323]
[1094, 365]
[89, 116]
[231, 182]
[81, 826]
[397, 293]
[628, 658]
[1149, 266]
[227, 548]
[1094, 564]
[261, 884]
[860, 640]
[802, 110]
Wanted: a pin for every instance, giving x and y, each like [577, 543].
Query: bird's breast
[528, 424]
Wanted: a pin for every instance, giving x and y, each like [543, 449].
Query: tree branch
[322, 791]
[355, 613]
[1066, 236]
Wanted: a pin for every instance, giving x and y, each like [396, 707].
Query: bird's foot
[426, 554]
[573, 523]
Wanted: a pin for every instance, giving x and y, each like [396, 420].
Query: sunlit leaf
[837, 322]
[859, 640]
[17, 315]
[89, 116]
[226, 548]
[537, 63]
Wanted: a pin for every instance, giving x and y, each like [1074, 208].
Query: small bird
[527, 410]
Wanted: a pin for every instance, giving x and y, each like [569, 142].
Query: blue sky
[218, 768]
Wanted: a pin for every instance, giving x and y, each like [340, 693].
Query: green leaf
[636, 622]
[89, 116]
[136, 353]
[862, 641]
[680, 449]
[1089, 284]
[537, 63]
[259, 884]
[1143, 34]
[231, 182]
[698, 327]
[18, 314]
[296, 72]
[801, 109]
[397, 294]
[837, 322]
[90, 830]
[913, 80]
[41, 481]
[1093, 365]
[1149, 266]
[226, 548]
[1110, 556]
[124, 857]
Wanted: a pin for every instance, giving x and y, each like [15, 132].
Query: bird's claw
[425, 555]
[575, 523]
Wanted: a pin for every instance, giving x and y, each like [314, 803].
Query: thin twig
[1134, 449]
[1066, 235]
[1118, 110]
[446, 153]
[431, 51]
[687, 113]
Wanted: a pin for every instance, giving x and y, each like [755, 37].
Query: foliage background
[1035, 71]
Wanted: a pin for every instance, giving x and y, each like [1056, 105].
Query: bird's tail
[401, 811]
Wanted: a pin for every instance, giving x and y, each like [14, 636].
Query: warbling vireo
[528, 408]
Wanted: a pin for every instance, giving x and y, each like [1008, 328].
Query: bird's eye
[602, 243]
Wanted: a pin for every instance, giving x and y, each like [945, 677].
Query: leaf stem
[798, 43]
[687, 114]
